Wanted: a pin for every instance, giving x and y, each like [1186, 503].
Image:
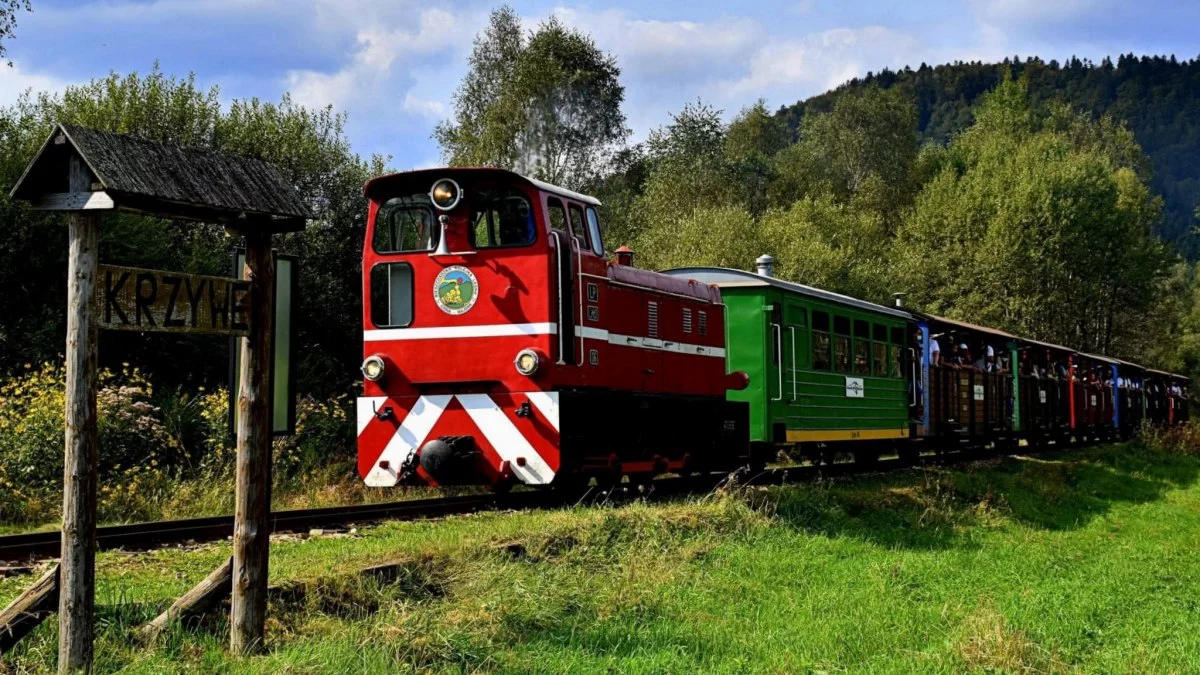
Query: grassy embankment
[1084, 560]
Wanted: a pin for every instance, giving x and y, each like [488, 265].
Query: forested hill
[1159, 98]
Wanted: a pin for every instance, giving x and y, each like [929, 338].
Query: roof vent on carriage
[766, 265]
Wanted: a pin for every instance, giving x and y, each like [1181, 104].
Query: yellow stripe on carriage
[817, 435]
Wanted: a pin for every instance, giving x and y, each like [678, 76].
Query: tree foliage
[1155, 96]
[1040, 225]
[310, 147]
[9, 9]
[863, 148]
[547, 105]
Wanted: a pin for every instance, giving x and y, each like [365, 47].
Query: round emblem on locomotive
[455, 290]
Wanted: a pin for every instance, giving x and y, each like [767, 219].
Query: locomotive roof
[731, 278]
[373, 186]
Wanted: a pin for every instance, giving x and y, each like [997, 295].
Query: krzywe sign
[149, 300]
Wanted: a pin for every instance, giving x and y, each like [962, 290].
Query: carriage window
[820, 351]
[895, 360]
[862, 363]
[841, 325]
[898, 336]
[391, 295]
[577, 227]
[405, 224]
[862, 329]
[557, 214]
[820, 340]
[841, 353]
[879, 333]
[594, 231]
[500, 217]
[880, 359]
[820, 321]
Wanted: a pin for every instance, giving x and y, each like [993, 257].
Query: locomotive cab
[498, 339]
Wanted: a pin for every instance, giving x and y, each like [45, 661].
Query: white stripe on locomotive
[547, 403]
[408, 437]
[448, 332]
[532, 329]
[507, 440]
[367, 405]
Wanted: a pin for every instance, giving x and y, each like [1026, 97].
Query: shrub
[324, 437]
[1180, 440]
[133, 438]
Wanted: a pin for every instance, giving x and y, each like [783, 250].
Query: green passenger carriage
[823, 367]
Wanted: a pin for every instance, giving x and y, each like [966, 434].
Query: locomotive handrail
[779, 357]
[582, 356]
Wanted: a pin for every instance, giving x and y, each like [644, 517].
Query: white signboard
[854, 387]
[1042, 395]
[1093, 400]
[979, 392]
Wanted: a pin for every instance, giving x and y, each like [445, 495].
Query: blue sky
[393, 64]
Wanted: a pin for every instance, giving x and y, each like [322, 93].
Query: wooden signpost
[100, 172]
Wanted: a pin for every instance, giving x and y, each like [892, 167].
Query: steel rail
[140, 536]
[143, 536]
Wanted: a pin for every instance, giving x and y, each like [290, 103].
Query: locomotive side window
[405, 224]
[577, 227]
[594, 231]
[557, 215]
[820, 341]
[391, 295]
[501, 217]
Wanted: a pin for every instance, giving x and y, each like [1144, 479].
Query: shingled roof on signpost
[133, 174]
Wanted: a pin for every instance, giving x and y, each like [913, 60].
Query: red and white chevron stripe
[529, 444]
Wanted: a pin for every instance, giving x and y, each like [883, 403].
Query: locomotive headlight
[445, 194]
[372, 368]
[527, 362]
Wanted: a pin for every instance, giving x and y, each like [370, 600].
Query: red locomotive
[501, 346]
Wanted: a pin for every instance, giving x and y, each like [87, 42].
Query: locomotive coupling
[451, 460]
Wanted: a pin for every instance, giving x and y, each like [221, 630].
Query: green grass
[1084, 561]
[172, 499]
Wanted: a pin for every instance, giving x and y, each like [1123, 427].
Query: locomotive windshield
[405, 224]
[500, 217]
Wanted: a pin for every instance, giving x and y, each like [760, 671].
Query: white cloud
[821, 61]
[14, 81]
[428, 108]
[371, 68]
[654, 48]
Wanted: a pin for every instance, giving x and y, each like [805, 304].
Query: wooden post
[197, 601]
[29, 610]
[78, 570]
[251, 529]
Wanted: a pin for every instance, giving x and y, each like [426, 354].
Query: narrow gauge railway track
[144, 536]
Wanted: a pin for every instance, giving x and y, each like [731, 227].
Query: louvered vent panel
[687, 320]
[652, 318]
[704, 323]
